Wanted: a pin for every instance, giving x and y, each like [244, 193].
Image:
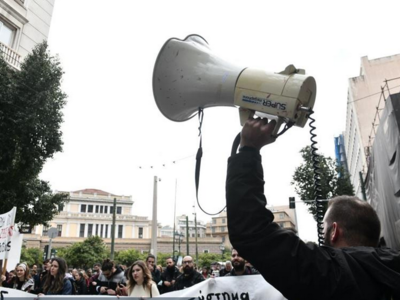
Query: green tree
[334, 180]
[32, 256]
[85, 254]
[31, 101]
[128, 257]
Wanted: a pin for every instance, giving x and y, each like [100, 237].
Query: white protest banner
[6, 232]
[249, 287]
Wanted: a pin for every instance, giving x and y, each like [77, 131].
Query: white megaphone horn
[188, 76]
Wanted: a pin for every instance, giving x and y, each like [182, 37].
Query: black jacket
[299, 270]
[184, 281]
[169, 275]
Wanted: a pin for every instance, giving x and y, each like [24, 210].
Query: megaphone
[188, 76]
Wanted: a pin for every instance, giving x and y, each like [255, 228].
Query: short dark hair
[107, 265]
[358, 220]
[150, 256]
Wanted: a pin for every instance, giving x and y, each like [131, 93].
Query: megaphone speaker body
[188, 76]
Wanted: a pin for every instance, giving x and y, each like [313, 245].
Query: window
[59, 230]
[101, 230]
[206, 251]
[60, 207]
[213, 230]
[97, 209]
[105, 209]
[193, 235]
[281, 216]
[120, 228]
[223, 221]
[111, 209]
[101, 209]
[214, 221]
[90, 209]
[119, 210]
[90, 230]
[82, 230]
[106, 232]
[140, 232]
[83, 207]
[97, 229]
[44, 231]
[7, 33]
[222, 228]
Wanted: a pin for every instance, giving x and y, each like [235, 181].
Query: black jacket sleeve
[297, 270]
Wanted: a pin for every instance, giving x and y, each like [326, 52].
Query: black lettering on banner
[244, 296]
[217, 295]
[226, 296]
[235, 296]
[202, 297]
[209, 296]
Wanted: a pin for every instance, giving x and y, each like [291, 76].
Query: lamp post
[178, 237]
[222, 248]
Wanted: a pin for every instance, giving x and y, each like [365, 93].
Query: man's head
[108, 268]
[187, 264]
[228, 266]
[351, 222]
[150, 261]
[96, 268]
[238, 262]
[170, 263]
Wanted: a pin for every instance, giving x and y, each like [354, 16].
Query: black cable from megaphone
[317, 180]
[199, 155]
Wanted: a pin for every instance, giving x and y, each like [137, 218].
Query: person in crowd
[42, 276]
[239, 266]
[169, 276]
[22, 281]
[155, 273]
[189, 277]
[205, 273]
[56, 281]
[139, 282]
[86, 277]
[348, 266]
[226, 269]
[215, 267]
[80, 284]
[109, 278]
[35, 276]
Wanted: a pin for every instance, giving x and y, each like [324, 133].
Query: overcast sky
[114, 133]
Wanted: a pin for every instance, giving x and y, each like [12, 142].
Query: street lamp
[222, 248]
[179, 237]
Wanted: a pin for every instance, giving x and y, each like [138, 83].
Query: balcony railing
[10, 56]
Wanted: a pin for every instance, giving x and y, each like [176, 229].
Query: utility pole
[154, 225]
[187, 235]
[197, 250]
[173, 238]
[113, 229]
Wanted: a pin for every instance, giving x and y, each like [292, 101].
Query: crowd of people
[141, 279]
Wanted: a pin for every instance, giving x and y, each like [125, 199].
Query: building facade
[340, 152]
[89, 212]
[365, 103]
[218, 227]
[23, 25]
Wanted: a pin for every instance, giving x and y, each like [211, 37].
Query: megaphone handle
[277, 126]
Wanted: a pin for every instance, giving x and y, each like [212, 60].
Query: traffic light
[46, 249]
[53, 253]
[292, 203]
